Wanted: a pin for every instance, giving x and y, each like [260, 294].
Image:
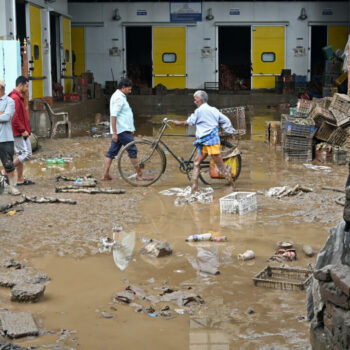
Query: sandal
[26, 182]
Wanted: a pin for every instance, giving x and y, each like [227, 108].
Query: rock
[250, 311]
[27, 292]
[323, 274]
[157, 249]
[10, 346]
[341, 277]
[308, 251]
[13, 275]
[329, 292]
[18, 324]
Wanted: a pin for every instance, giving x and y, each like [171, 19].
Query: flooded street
[63, 241]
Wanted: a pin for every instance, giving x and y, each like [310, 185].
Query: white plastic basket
[238, 202]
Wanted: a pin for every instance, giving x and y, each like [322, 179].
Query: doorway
[55, 48]
[234, 58]
[21, 21]
[139, 55]
[318, 41]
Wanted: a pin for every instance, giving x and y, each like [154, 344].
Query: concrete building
[242, 44]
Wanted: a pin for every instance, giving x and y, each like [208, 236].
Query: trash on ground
[203, 196]
[288, 278]
[85, 182]
[250, 311]
[5, 207]
[207, 260]
[184, 192]
[107, 244]
[318, 167]
[157, 249]
[238, 202]
[282, 255]
[308, 251]
[287, 191]
[247, 255]
[76, 189]
[123, 248]
[285, 244]
[199, 237]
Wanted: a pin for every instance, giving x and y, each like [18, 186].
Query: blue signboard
[141, 12]
[185, 11]
[327, 12]
[235, 12]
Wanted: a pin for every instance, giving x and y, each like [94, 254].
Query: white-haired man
[207, 120]
[7, 150]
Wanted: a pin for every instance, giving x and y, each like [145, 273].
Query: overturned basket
[288, 278]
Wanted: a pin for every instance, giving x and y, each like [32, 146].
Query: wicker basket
[283, 278]
[304, 107]
[237, 117]
[322, 102]
[320, 114]
[325, 131]
[338, 137]
[341, 103]
[342, 118]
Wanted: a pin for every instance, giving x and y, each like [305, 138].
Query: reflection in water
[207, 260]
[204, 338]
[123, 248]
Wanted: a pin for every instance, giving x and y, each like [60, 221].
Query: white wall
[199, 70]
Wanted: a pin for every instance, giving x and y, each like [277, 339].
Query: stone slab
[27, 292]
[12, 276]
[341, 277]
[329, 292]
[18, 324]
[323, 274]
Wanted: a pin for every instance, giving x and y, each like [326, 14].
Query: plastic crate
[288, 278]
[237, 117]
[339, 157]
[297, 156]
[342, 118]
[324, 102]
[238, 202]
[332, 67]
[342, 77]
[338, 137]
[296, 127]
[328, 52]
[325, 131]
[329, 79]
[297, 143]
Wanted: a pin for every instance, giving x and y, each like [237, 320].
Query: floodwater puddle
[64, 241]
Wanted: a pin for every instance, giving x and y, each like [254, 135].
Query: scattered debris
[335, 189]
[107, 315]
[76, 189]
[318, 167]
[157, 249]
[27, 292]
[282, 255]
[286, 191]
[285, 244]
[5, 207]
[308, 250]
[250, 311]
[247, 255]
[18, 324]
[207, 260]
[73, 178]
[123, 248]
[199, 237]
[202, 196]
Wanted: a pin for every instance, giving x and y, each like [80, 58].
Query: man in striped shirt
[207, 120]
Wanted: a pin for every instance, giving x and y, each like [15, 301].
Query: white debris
[286, 191]
[318, 167]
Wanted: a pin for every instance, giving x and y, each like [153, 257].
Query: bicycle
[153, 161]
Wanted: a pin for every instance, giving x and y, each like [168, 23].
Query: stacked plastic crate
[331, 73]
[298, 134]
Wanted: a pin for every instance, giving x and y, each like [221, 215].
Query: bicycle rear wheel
[151, 160]
[236, 165]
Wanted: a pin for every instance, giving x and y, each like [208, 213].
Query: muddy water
[63, 241]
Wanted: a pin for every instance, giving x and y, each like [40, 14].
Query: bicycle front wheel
[150, 160]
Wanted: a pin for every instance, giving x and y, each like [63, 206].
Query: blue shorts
[124, 138]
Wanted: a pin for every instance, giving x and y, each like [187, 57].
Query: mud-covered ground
[63, 241]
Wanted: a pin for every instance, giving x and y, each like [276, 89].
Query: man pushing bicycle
[207, 120]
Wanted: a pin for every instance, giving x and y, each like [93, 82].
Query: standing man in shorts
[122, 128]
[207, 120]
[21, 129]
[7, 108]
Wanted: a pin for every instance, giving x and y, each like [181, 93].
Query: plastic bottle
[247, 255]
[219, 239]
[199, 237]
